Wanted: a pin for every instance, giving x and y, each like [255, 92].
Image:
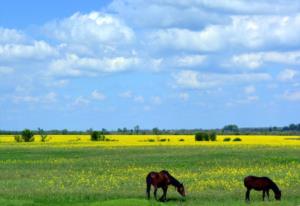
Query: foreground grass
[49, 174]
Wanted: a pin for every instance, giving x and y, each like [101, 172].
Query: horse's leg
[155, 192]
[164, 196]
[148, 190]
[148, 183]
[264, 194]
[248, 195]
[268, 195]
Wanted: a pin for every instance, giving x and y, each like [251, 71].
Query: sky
[169, 64]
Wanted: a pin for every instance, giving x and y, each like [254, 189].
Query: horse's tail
[148, 182]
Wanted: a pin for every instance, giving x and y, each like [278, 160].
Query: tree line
[292, 129]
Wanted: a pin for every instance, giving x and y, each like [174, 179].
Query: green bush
[205, 136]
[226, 139]
[237, 139]
[213, 136]
[27, 135]
[97, 136]
[18, 138]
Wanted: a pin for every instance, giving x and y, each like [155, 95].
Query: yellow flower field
[136, 140]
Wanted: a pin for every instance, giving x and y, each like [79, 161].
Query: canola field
[71, 170]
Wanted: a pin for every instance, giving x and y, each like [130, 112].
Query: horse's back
[257, 182]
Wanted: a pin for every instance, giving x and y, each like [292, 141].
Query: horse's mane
[173, 180]
[273, 185]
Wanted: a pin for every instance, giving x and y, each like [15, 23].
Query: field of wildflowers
[71, 170]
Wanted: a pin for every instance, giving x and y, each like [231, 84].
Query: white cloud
[91, 29]
[36, 50]
[127, 94]
[98, 95]
[8, 36]
[195, 80]
[80, 102]
[287, 75]
[249, 32]
[73, 65]
[249, 89]
[139, 99]
[184, 96]
[187, 79]
[156, 100]
[190, 60]
[291, 96]
[51, 97]
[256, 60]
[6, 70]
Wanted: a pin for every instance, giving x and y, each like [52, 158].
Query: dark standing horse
[261, 184]
[162, 180]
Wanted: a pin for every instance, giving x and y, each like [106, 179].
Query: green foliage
[27, 135]
[97, 136]
[226, 139]
[205, 136]
[18, 138]
[231, 128]
[237, 139]
[43, 135]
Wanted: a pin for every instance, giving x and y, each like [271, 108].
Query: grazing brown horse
[162, 180]
[261, 184]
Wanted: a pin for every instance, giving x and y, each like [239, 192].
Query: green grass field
[84, 175]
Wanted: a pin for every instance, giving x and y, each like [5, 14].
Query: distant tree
[27, 135]
[64, 131]
[213, 136]
[136, 129]
[97, 136]
[89, 131]
[43, 135]
[199, 136]
[155, 131]
[231, 128]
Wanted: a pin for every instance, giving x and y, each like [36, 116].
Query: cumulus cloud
[80, 102]
[184, 96]
[92, 28]
[248, 32]
[36, 50]
[287, 75]
[196, 80]
[48, 98]
[98, 95]
[156, 100]
[73, 65]
[9, 36]
[257, 59]
[6, 70]
[291, 96]
[249, 89]
[190, 60]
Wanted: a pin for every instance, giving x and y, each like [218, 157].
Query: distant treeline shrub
[97, 136]
[205, 136]
[26, 136]
[237, 139]
[226, 139]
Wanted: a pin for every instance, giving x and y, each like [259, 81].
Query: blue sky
[167, 64]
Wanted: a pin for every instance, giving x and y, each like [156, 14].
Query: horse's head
[180, 190]
[278, 195]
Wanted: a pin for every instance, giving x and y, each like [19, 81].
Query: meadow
[71, 170]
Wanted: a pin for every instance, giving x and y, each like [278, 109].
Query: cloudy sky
[168, 64]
